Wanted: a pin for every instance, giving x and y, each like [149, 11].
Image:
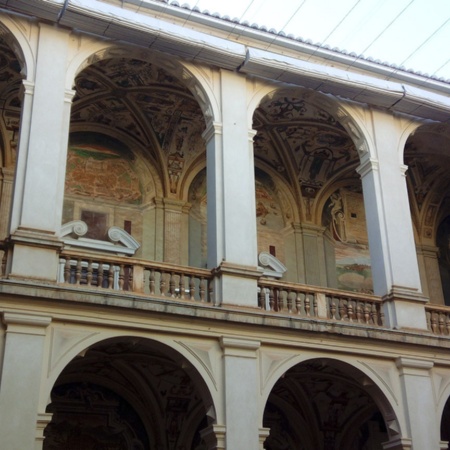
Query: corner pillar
[21, 380]
[41, 164]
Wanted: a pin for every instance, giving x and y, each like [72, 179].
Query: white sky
[410, 33]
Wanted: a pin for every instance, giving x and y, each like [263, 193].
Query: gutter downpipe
[63, 10]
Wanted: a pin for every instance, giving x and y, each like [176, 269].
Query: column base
[404, 308]
[33, 254]
[236, 285]
[398, 444]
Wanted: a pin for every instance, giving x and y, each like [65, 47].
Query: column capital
[243, 348]
[367, 165]
[17, 322]
[212, 128]
[410, 366]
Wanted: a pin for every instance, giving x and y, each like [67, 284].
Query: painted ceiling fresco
[303, 142]
[148, 105]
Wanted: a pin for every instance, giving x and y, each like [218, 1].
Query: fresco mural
[99, 166]
[344, 215]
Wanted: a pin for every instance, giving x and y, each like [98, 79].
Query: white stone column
[418, 403]
[241, 393]
[41, 165]
[232, 245]
[391, 239]
[21, 380]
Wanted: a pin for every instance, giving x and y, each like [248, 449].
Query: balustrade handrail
[125, 260]
[266, 282]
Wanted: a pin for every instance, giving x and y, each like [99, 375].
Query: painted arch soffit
[303, 142]
[145, 102]
[428, 165]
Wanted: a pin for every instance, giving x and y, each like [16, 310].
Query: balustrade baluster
[289, 301]
[89, 273]
[111, 276]
[441, 323]
[447, 323]
[271, 299]
[192, 288]
[315, 305]
[298, 302]
[151, 281]
[307, 305]
[121, 277]
[350, 310]
[172, 285]
[359, 312]
[67, 270]
[374, 314]
[342, 314]
[181, 287]
[366, 313]
[210, 292]
[332, 308]
[162, 284]
[78, 272]
[100, 275]
[202, 289]
[434, 323]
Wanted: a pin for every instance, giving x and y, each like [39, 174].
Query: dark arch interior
[127, 394]
[321, 405]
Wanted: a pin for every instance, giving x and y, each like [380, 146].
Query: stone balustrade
[135, 276]
[438, 319]
[322, 303]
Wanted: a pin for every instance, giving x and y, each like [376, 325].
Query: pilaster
[241, 393]
[418, 396]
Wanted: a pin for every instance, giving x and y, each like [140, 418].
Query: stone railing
[438, 319]
[135, 276]
[321, 303]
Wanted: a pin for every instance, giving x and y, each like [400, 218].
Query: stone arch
[78, 365]
[81, 345]
[13, 32]
[381, 394]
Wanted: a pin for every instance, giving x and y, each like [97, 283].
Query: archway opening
[128, 394]
[323, 404]
[312, 159]
[445, 424]
[136, 137]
